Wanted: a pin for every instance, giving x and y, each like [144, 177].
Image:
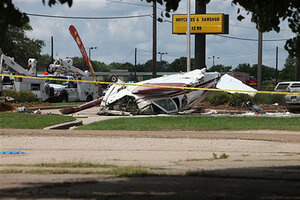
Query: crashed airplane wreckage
[159, 99]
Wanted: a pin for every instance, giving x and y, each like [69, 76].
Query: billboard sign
[201, 23]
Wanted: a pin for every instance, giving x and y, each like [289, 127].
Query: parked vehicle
[50, 90]
[287, 86]
[69, 90]
[292, 101]
[36, 86]
[244, 77]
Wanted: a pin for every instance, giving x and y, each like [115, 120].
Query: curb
[64, 126]
[240, 111]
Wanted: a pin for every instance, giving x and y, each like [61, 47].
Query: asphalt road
[261, 164]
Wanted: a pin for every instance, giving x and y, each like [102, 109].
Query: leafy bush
[218, 98]
[269, 99]
[22, 96]
[11, 93]
[238, 99]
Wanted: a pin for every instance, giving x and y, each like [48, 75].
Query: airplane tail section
[228, 82]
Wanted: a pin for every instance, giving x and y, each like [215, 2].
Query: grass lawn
[69, 168]
[31, 121]
[194, 123]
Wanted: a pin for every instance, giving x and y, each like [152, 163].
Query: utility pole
[297, 70]
[154, 41]
[297, 67]
[188, 34]
[259, 61]
[90, 48]
[213, 58]
[200, 39]
[2, 99]
[276, 71]
[52, 59]
[135, 59]
[161, 54]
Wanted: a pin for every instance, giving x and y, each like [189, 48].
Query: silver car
[292, 101]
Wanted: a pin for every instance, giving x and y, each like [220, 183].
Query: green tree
[140, 67]
[10, 16]
[267, 15]
[121, 66]
[268, 73]
[114, 66]
[16, 44]
[162, 66]
[148, 66]
[43, 61]
[245, 67]
[219, 68]
[128, 66]
[79, 63]
[100, 66]
[288, 71]
[178, 65]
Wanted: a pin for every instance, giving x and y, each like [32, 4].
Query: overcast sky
[116, 39]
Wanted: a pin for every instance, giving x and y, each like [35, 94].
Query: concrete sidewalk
[86, 116]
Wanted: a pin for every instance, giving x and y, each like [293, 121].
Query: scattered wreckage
[163, 95]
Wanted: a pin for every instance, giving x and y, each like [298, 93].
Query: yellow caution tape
[156, 86]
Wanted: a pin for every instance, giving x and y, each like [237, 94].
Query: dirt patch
[9, 106]
[32, 104]
[255, 168]
[264, 135]
[6, 107]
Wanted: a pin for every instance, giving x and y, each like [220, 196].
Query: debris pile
[4, 106]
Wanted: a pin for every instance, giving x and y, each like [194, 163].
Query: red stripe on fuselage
[147, 90]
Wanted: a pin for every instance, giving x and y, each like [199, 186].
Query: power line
[242, 26]
[244, 54]
[128, 3]
[282, 49]
[80, 17]
[253, 27]
[127, 56]
[145, 50]
[249, 39]
[173, 56]
[133, 4]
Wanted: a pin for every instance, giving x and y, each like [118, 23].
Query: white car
[287, 86]
[292, 101]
